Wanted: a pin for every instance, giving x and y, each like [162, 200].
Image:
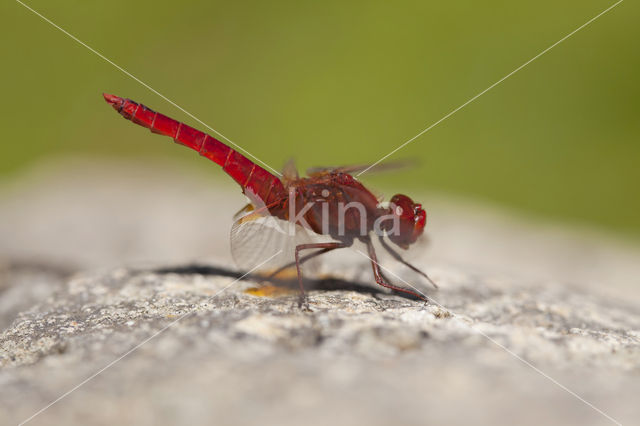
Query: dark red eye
[403, 206]
[412, 220]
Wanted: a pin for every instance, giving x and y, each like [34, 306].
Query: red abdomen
[257, 183]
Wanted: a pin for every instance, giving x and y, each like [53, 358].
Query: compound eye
[403, 206]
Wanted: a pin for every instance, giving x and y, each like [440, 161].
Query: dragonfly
[327, 210]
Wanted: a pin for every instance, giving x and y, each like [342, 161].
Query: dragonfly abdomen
[254, 180]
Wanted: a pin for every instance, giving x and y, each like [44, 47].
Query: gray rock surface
[176, 339]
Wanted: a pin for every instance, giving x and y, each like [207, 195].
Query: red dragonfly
[329, 203]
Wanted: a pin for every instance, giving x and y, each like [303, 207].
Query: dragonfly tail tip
[112, 99]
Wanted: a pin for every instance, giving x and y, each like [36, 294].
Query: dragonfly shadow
[197, 269]
[321, 284]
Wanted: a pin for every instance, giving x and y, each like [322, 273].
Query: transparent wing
[382, 167]
[267, 244]
[290, 171]
[248, 208]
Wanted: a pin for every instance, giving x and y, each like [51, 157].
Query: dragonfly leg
[325, 246]
[399, 258]
[379, 277]
[302, 260]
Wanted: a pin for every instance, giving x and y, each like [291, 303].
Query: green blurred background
[335, 82]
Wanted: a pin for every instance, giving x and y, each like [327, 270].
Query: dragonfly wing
[290, 171]
[248, 208]
[265, 243]
[382, 167]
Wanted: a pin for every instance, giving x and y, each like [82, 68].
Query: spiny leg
[399, 258]
[299, 248]
[377, 274]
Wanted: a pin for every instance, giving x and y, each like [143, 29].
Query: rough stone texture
[207, 351]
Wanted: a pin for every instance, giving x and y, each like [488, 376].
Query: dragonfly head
[411, 219]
